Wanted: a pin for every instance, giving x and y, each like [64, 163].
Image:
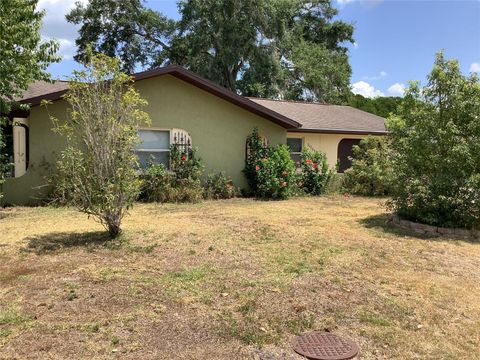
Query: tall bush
[98, 166]
[371, 173]
[315, 175]
[276, 174]
[257, 150]
[436, 143]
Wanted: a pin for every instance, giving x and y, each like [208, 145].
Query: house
[182, 105]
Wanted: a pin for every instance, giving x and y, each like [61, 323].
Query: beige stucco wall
[218, 129]
[327, 143]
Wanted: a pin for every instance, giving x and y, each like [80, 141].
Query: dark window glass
[295, 145]
[345, 152]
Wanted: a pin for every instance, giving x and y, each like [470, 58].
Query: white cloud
[396, 89]
[382, 74]
[365, 89]
[55, 26]
[475, 67]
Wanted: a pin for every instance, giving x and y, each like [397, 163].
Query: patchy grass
[233, 279]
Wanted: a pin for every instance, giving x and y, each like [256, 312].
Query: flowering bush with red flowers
[185, 164]
[276, 174]
[315, 175]
[257, 150]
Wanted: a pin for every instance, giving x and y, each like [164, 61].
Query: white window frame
[156, 150]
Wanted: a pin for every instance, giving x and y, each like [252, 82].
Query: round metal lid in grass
[324, 346]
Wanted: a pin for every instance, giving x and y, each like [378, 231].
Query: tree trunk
[114, 229]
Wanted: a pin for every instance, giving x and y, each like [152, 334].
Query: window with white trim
[295, 145]
[154, 147]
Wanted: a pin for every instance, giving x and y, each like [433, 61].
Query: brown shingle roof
[41, 89]
[316, 117]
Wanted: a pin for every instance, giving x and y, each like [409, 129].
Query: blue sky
[395, 41]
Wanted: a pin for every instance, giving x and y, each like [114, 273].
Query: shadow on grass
[383, 223]
[52, 242]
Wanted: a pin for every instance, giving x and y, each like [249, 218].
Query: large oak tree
[291, 49]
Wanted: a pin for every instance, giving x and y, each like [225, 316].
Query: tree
[436, 143]
[382, 106]
[287, 49]
[24, 58]
[98, 166]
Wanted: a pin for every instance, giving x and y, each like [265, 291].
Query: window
[154, 146]
[345, 153]
[295, 145]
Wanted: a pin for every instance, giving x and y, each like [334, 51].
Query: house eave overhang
[338, 131]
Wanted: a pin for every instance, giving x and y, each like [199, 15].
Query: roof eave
[340, 131]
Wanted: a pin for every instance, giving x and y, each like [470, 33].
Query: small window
[295, 145]
[154, 147]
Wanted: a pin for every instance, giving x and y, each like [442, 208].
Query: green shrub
[179, 184]
[436, 149]
[315, 175]
[371, 173]
[218, 186]
[276, 174]
[256, 152]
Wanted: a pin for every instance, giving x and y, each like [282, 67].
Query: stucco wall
[217, 127]
[327, 143]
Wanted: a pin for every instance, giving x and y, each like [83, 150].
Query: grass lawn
[233, 279]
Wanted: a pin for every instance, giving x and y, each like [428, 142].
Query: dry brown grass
[232, 280]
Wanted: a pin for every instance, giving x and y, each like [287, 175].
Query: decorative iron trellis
[182, 141]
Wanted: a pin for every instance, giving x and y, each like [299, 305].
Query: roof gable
[54, 91]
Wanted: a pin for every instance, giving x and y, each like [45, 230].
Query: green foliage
[371, 173]
[276, 174]
[436, 143]
[382, 106]
[185, 165]
[24, 59]
[97, 167]
[218, 186]
[256, 151]
[179, 184]
[292, 49]
[316, 175]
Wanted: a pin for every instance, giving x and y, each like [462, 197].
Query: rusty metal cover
[324, 346]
